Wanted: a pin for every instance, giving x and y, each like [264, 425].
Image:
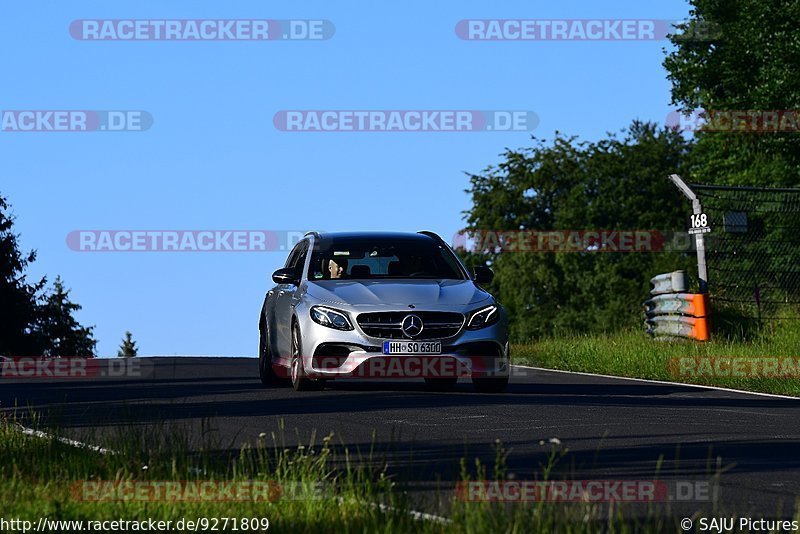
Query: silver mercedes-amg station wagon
[381, 305]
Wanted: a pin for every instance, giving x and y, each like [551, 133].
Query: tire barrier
[672, 312]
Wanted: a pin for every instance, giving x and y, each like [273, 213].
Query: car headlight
[483, 317]
[330, 318]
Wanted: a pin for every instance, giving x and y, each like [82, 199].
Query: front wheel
[300, 382]
[265, 370]
[490, 385]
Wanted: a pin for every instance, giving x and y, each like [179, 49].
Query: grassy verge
[726, 363]
[39, 476]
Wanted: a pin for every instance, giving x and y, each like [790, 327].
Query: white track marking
[718, 388]
[418, 516]
[79, 444]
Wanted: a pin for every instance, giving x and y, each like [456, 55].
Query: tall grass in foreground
[38, 476]
[337, 494]
[634, 354]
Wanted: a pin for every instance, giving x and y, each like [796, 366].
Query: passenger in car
[338, 268]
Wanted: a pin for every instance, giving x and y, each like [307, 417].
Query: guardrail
[672, 312]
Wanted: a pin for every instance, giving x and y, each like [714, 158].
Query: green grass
[37, 475]
[634, 354]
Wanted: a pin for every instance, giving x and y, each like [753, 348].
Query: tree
[65, 336]
[128, 347]
[569, 185]
[34, 321]
[749, 63]
[19, 308]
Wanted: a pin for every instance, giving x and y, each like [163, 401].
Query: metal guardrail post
[699, 239]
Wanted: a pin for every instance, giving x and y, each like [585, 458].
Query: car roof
[372, 234]
[411, 236]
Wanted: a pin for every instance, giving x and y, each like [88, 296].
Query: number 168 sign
[698, 223]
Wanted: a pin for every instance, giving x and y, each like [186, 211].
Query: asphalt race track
[612, 428]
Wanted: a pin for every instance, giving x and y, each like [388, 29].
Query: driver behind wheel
[337, 268]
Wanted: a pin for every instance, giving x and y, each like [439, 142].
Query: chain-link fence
[752, 252]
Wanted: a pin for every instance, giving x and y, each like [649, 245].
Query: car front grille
[388, 325]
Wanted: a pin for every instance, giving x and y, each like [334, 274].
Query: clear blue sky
[213, 159]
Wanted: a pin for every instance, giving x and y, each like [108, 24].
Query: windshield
[381, 257]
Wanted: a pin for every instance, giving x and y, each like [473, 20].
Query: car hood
[397, 292]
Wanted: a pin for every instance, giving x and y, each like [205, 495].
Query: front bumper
[330, 354]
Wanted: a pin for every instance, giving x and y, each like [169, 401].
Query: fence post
[699, 239]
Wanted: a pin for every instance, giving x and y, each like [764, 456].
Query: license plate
[412, 347]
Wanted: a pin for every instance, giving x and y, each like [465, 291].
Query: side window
[297, 259]
[291, 261]
[301, 260]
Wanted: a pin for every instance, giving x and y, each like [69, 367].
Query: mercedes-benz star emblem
[412, 325]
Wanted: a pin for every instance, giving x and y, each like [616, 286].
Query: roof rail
[434, 235]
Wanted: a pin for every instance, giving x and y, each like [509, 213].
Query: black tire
[441, 384]
[300, 382]
[265, 370]
[490, 385]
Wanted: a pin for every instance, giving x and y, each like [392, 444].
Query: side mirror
[286, 276]
[483, 275]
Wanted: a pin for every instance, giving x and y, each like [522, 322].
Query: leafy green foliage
[750, 64]
[614, 184]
